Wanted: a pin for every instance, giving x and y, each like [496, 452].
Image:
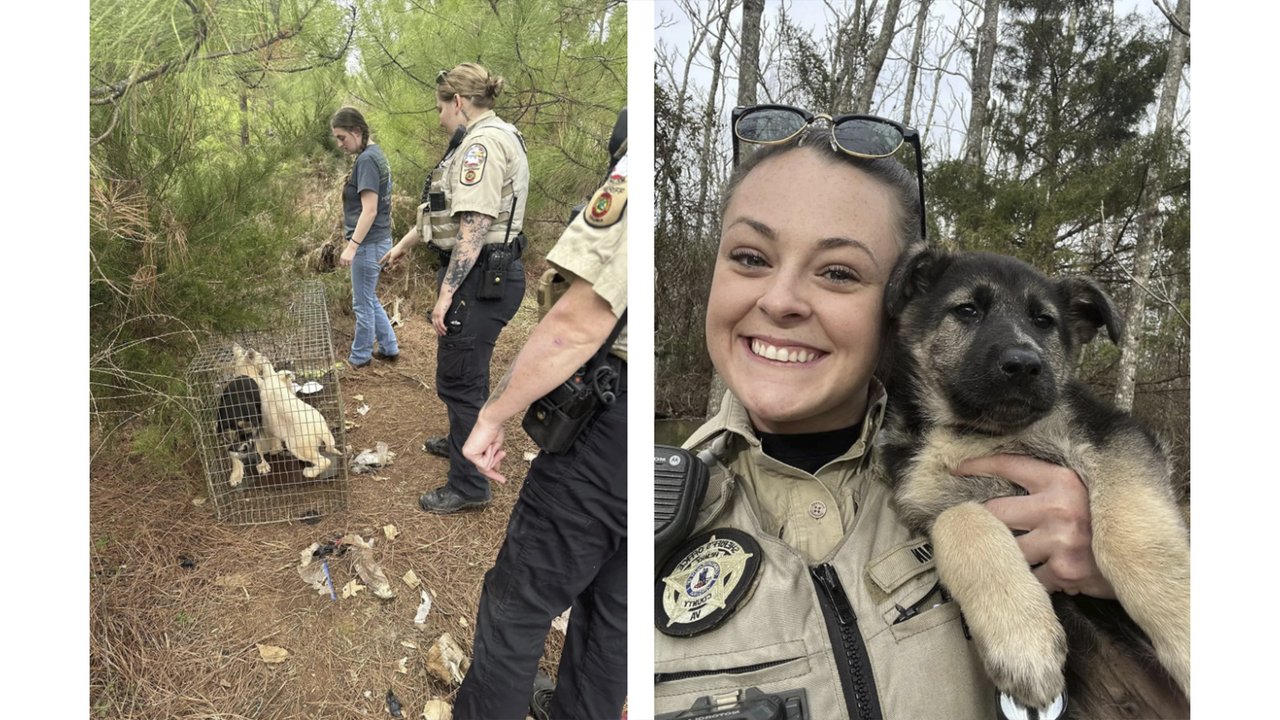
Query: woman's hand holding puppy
[1054, 514]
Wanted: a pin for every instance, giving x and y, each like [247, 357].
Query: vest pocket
[678, 690]
[909, 599]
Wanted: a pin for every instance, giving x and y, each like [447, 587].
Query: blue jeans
[371, 319]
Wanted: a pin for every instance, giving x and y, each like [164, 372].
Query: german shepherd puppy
[982, 355]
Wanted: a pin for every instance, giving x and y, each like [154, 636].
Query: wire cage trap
[269, 418]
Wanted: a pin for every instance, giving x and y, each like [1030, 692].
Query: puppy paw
[1029, 665]
[316, 469]
[263, 468]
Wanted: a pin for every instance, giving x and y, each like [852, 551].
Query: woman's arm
[368, 212]
[473, 227]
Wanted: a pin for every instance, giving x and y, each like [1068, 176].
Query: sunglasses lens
[769, 125]
[868, 137]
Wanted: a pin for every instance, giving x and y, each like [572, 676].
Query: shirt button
[817, 510]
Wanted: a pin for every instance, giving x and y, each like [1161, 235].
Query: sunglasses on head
[864, 136]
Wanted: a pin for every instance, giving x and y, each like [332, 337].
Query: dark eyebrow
[830, 243]
[756, 225]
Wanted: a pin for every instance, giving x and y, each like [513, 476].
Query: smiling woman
[794, 318]
[798, 570]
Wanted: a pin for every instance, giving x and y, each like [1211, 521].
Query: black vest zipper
[853, 664]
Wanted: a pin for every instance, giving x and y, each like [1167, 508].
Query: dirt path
[181, 642]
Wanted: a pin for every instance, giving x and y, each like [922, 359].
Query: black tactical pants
[566, 545]
[462, 365]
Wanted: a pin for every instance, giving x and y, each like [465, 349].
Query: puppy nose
[1020, 363]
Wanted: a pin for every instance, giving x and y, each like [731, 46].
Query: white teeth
[797, 355]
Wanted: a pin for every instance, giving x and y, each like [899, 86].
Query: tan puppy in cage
[285, 417]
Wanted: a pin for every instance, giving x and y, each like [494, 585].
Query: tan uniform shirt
[484, 175]
[594, 247]
[777, 639]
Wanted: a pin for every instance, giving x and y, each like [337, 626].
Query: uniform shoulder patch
[609, 202]
[705, 580]
[473, 161]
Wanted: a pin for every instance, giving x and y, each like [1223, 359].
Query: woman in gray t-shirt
[366, 219]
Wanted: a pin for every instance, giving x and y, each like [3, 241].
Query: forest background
[1054, 130]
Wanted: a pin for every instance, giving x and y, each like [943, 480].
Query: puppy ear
[914, 275]
[1089, 308]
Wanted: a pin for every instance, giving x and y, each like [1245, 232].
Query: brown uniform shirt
[594, 247]
[777, 639]
[487, 174]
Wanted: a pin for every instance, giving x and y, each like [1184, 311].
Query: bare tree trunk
[913, 69]
[749, 58]
[879, 51]
[982, 82]
[848, 54]
[709, 122]
[244, 117]
[1144, 253]
[717, 383]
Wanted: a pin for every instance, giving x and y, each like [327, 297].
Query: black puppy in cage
[240, 425]
[240, 420]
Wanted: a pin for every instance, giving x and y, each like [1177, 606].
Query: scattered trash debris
[351, 588]
[394, 317]
[411, 579]
[369, 459]
[186, 563]
[358, 398]
[529, 456]
[367, 568]
[561, 623]
[318, 574]
[437, 709]
[447, 661]
[328, 580]
[313, 573]
[199, 501]
[423, 608]
[272, 655]
[463, 622]
[409, 644]
[363, 409]
[310, 517]
[393, 705]
[390, 531]
[402, 666]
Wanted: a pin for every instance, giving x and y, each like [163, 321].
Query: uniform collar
[480, 119]
[733, 422]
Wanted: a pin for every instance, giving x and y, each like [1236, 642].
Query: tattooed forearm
[474, 227]
[502, 384]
